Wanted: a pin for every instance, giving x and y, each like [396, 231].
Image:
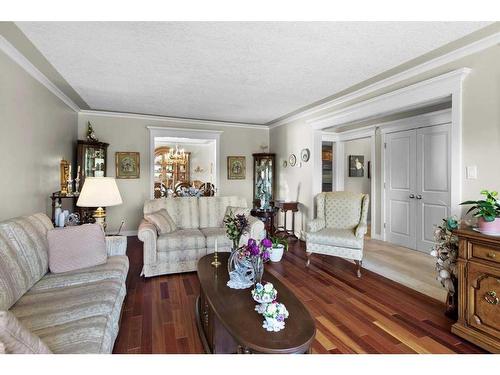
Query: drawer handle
[491, 298]
[491, 254]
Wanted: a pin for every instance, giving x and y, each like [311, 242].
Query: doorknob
[419, 196]
[411, 196]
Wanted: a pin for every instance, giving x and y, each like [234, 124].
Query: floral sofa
[71, 312]
[199, 222]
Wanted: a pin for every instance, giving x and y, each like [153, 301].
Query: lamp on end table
[99, 192]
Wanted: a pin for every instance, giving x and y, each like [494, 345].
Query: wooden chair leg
[308, 259]
[359, 264]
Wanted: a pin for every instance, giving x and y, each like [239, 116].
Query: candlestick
[216, 262]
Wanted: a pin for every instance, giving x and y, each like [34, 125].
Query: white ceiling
[251, 72]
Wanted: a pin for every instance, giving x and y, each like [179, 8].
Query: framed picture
[236, 167]
[356, 165]
[128, 164]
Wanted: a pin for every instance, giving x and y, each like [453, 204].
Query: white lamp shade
[99, 192]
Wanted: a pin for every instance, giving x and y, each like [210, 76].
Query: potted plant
[279, 245]
[488, 212]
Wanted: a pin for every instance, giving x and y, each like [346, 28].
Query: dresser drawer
[483, 298]
[485, 252]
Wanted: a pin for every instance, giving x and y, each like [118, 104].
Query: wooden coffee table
[228, 323]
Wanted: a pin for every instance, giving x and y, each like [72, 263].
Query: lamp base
[100, 217]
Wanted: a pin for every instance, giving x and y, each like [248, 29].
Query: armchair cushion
[343, 209]
[181, 239]
[336, 237]
[77, 247]
[316, 225]
[162, 221]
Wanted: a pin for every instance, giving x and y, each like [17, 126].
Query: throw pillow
[16, 339]
[236, 211]
[162, 221]
[77, 247]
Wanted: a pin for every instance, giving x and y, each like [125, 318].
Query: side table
[267, 217]
[116, 245]
[285, 207]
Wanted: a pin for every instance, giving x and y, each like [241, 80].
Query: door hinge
[385, 144]
[384, 225]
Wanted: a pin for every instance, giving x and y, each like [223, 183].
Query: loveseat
[199, 222]
[71, 312]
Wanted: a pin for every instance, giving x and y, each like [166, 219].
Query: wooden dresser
[478, 289]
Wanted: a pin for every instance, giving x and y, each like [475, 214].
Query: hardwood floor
[368, 315]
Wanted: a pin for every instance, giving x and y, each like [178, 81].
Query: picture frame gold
[236, 167]
[127, 164]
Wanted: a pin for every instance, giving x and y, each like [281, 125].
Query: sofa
[71, 312]
[339, 227]
[199, 222]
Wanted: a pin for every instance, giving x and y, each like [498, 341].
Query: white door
[417, 185]
[432, 193]
[400, 157]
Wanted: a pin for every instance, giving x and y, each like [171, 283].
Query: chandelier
[178, 155]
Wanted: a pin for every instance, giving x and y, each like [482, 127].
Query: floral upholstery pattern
[340, 225]
[180, 250]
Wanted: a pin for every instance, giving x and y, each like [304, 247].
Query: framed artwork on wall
[128, 164]
[356, 165]
[236, 167]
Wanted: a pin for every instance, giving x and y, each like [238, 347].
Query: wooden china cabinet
[478, 289]
[169, 173]
[91, 158]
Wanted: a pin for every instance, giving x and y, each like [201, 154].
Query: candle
[216, 246]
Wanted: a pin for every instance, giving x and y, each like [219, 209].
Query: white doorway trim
[439, 89]
[158, 131]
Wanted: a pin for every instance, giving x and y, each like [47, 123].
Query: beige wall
[481, 129]
[37, 130]
[131, 134]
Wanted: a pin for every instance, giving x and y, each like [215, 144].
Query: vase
[489, 227]
[258, 269]
[276, 253]
[241, 271]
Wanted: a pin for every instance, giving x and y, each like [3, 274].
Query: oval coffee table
[228, 323]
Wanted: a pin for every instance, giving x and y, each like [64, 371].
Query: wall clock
[292, 160]
[305, 154]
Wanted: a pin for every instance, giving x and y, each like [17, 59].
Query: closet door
[432, 193]
[400, 206]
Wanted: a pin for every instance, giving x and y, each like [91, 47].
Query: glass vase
[240, 271]
[258, 269]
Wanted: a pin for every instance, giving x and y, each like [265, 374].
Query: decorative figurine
[77, 181]
[69, 181]
[91, 137]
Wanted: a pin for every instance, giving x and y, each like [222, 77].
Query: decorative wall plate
[305, 154]
[285, 163]
[292, 160]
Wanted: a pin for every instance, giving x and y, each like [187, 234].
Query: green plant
[488, 208]
[279, 241]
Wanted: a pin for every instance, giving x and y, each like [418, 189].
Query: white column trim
[155, 131]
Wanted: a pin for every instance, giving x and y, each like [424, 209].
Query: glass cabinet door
[264, 168]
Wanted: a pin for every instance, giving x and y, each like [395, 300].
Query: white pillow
[77, 247]
[162, 221]
[16, 339]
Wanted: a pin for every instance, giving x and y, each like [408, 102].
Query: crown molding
[431, 91]
[449, 57]
[24, 63]
[175, 120]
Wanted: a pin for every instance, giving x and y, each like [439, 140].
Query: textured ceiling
[250, 72]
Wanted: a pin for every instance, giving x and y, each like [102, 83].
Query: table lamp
[99, 192]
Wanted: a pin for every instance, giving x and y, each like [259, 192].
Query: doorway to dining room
[183, 163]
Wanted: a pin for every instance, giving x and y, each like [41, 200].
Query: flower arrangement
[258, 250]
[264, 293]
[445, 250]
[275, 314]
[236, 226]
[190, 192]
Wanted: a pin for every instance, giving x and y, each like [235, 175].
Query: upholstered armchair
[339, 226]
